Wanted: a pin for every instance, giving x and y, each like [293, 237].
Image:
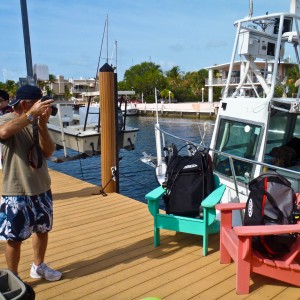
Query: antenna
[250, 8]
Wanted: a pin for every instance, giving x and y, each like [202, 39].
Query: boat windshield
[283, 140]
[238, 139]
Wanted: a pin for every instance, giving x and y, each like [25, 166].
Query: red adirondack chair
[235, 244]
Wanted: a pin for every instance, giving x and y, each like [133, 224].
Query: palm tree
[51, 80]
[174, 76]
[166, 94]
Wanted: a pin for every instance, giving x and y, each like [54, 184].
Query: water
[136, 178]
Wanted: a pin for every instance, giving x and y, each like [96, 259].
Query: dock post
[117, 177]
[108, 127]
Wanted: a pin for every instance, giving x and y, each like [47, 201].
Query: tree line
[175, 84]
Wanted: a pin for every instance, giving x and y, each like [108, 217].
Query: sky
[66, 35]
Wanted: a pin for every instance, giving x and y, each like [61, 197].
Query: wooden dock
[104, 247]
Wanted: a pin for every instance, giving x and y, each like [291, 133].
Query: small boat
[258, 123]
[81, 132]
[129, 109]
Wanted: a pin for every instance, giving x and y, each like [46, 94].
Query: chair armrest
[230, 206]
[155, 194]
[214, 197]
[265, 229]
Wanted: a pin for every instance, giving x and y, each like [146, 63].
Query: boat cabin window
[283, 140]
[238, 139]
[277, 131]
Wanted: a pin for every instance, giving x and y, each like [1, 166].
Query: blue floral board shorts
[20, 216]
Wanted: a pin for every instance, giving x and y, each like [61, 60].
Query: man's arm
[12, 127]
[15, 125]
[46, 142]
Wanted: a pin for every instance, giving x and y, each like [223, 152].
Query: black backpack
[271, 201]
[189, 179]
[12, 287]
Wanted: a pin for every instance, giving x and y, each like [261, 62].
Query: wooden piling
[108, 127]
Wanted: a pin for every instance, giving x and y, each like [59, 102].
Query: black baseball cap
[27, 92]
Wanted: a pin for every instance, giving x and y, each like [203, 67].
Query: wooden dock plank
[104, 247]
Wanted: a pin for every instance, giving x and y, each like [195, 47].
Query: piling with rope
[108, 127]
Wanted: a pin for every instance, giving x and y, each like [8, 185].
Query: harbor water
[136, 177]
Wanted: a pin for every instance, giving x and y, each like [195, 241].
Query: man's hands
[41, 109]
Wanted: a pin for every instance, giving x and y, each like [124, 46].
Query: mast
[107, 39]
[116, 44]
[30, 77]
[100, 54]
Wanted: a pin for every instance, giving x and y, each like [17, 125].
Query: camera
[53, 108]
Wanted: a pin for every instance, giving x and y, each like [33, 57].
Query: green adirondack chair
[207, 225]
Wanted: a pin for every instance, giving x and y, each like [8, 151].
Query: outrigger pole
[158, 139]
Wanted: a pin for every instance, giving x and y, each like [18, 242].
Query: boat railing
[261, 20]
[235, 80]
[231, 158]
[272, 29]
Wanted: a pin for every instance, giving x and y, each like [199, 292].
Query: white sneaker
[43, 271]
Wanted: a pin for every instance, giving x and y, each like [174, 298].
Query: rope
[125, 175]
[102, 192]
[133, 180]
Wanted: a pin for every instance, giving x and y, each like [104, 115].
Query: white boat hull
[88, 141]
[129, 110]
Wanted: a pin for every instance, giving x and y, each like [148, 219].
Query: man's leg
[12, 255]
[40, 240]
[39, 243]
[39, 269]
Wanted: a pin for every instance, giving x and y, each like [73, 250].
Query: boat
[256, 128]
[81, 131]
[129, 109]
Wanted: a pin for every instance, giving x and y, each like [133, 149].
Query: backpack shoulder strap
[274, 205]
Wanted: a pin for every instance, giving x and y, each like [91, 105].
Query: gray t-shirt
[18, 177]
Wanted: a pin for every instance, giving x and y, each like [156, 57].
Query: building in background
[63, 88]
[218, 75]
